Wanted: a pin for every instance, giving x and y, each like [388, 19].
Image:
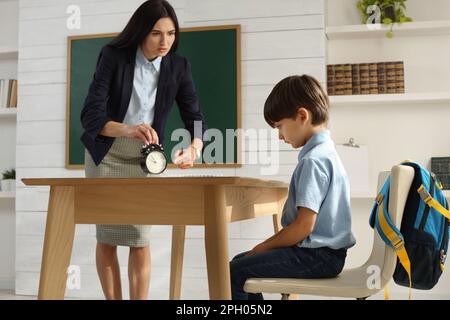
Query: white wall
[9, 23]
[394, 133]
[277, 40]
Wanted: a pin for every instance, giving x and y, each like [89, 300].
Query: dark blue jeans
[290, 262]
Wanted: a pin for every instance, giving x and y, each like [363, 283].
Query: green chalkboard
[214, 54]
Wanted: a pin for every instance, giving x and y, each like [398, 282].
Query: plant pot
[8, 185]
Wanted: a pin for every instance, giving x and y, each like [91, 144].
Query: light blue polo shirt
[320, 183]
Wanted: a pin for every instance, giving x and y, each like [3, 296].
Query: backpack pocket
[425, 261]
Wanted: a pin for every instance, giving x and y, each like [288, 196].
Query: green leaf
[387, 21]
[9, 174]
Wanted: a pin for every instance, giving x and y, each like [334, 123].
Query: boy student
[316, 217]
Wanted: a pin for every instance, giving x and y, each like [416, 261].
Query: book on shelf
[8, 93]
[356, 80]
[331, 80]
[382, 84]
[373, 78]
[400, 77]
[348, 89]
[391, 78]
[13, 102]
[366, 78]
[339, 75]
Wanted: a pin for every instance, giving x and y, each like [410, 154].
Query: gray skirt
[122, 160]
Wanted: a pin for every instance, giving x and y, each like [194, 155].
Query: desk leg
[176, 264]
[59, 233]
[276, 222]
[216, 243]
[282, 196]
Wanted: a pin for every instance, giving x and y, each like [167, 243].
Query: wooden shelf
[7, 195]
[408, 29]
[407, 98]
[8, 113]
[9, 53]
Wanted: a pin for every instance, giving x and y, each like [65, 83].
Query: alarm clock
[154, 160]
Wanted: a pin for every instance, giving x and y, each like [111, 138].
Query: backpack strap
[391, 235]
[432, 203]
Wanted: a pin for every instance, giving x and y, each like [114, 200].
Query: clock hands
[153, 159]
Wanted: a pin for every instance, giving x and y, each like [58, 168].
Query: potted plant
[8, 182]
[390, 12]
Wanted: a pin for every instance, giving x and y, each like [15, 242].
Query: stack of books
[366, 78]
[8, 93]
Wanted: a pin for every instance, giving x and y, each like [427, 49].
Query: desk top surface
[225, 181]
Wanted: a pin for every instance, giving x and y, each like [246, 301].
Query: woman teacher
[137, 79]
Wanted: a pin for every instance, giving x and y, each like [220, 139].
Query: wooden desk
[208, 201]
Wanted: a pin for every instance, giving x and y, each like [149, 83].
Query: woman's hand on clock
[143, 132]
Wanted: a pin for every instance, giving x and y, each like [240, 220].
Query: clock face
[156, 162]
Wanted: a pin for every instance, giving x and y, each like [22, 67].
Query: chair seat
[351, 283]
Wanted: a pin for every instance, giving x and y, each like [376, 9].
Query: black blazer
[110, 93]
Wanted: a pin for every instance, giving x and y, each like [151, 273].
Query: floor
[10, 295]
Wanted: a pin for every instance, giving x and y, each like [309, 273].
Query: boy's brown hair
[296, 92]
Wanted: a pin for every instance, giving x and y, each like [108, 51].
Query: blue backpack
[422, 241]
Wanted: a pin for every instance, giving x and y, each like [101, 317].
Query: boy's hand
[258, 249]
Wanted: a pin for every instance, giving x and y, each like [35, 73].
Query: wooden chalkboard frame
[238, 164]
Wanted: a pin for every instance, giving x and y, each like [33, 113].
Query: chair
[351, 283]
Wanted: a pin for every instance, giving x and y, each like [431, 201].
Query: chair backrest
[383, 255]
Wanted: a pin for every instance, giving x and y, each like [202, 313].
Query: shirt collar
[316, 139]
[143, 61]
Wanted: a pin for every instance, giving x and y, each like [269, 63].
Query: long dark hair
[143, 21]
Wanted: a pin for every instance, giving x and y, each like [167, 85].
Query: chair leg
[289, 296]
